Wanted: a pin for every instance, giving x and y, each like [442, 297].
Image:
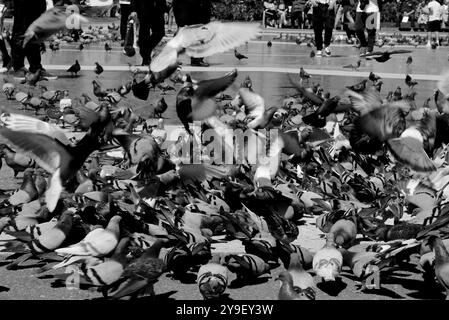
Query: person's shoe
[122, 43]
[199, 63]
[20, 74]
[146, 62]
[327, 52]
[48, 75]
[319, 53]
[4, 69]
[428, 45]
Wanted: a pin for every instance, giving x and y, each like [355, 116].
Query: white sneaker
[319, 53]
[3, 70]
[327, 51]
[428, 45]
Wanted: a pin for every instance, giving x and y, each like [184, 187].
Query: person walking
[323, 19]
[435, 13]
[25, 13]
[190, 12]
[151, 25]
[367, 17]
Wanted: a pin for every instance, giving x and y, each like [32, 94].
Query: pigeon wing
[216, 37]
[18, 122]
[410, 151]
[47, 152]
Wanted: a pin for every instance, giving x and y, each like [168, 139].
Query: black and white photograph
[221, 155]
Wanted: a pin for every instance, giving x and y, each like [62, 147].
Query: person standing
[25, 13]
[367, 17]
[151, 25]
[323, 19]
[125, 11]
[435, 13]
[190, 12]
[298, 13]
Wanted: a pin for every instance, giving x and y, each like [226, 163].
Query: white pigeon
[97, 243]
[19, 122]
[204, 41]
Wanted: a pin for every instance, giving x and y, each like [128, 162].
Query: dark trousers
[25, 12]
[323, 19]
[5, 54]
[297, 16]
[125, 11]
[360, 23]
[152, 30]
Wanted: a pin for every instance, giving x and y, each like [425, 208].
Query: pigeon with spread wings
[203, 41]
[384, 56]
[195, 101]
[61, 161]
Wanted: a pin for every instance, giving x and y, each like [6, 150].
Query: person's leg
[18, 29]
[371, 39]
[318, 26]
[5, 54]
[300, 20]
[329, 23]
[144, 38]
[359, 28]
[125, 11]
[32, 49]
[157, 30]
[338, 16]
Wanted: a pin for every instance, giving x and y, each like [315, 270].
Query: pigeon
[301, 278]
[204, 41]
[47, 241]
[212, 280]
[74, 69]
[441, 262]
[160, 108]
[384, 56]
[312, 54]
[410, 82]
[373, 77]
[303, 75]
[98, 90]
[62, 162]
[318, 118]
[409, 60]
[354, 66]
[196, 101]
[107, 47]
[269, 44]
[98, 69]
[97, 243]
[140, 275]
[345, 232]
[358, 87]
[328, 261]
[104, 273]
[239, 56]
[287, 291]
[81, 47]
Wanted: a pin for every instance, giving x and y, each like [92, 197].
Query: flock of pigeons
[125, 206]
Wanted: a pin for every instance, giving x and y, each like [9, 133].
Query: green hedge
[240, 10]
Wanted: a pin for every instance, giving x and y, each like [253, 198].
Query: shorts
[434, 26]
